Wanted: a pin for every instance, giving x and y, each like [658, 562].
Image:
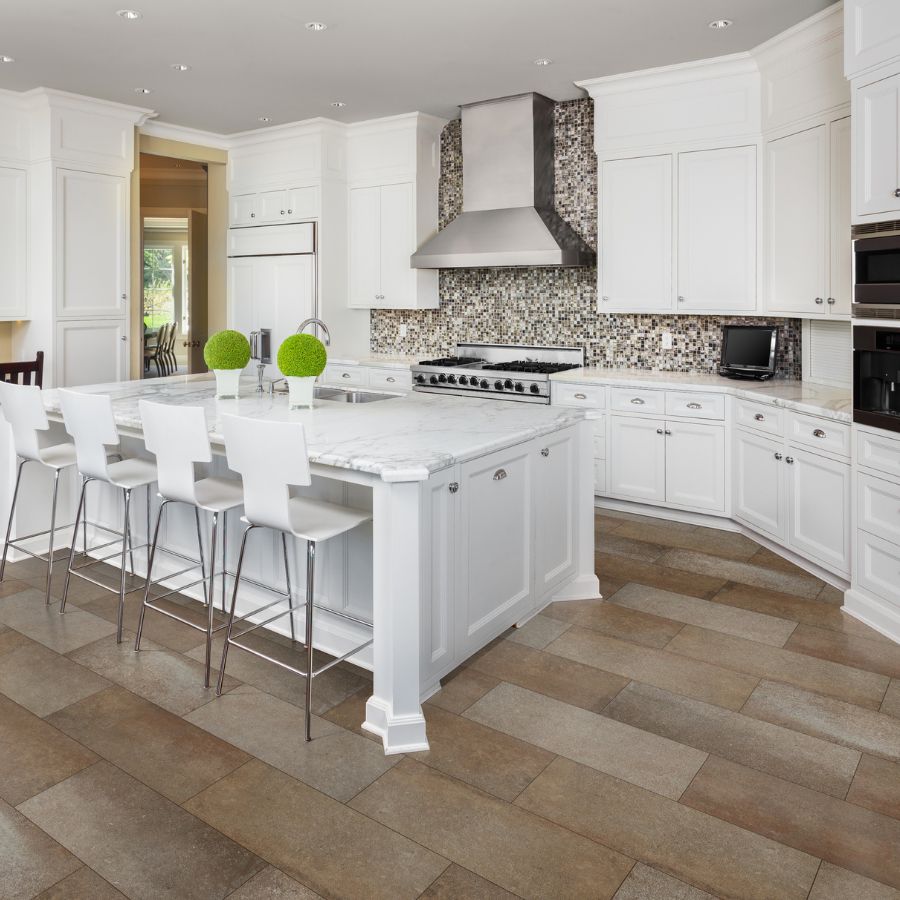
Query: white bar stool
[89, 419]
[24, 410]
[179, 438]
[268, 504]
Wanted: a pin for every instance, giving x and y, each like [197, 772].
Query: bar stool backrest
[270, 457]
[178, 437]
[89, 420]
[24, 410]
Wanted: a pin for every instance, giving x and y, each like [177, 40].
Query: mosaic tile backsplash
[557, 305]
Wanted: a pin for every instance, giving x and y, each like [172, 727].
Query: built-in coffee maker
[876, 376]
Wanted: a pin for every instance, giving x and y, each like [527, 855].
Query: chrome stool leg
[12, 513]
[234, 593]
[287, 578]
[202, 561]
[126, 544]
[224, 554]
[211, 606]
[52, 534]
[150, 557]
[78, 515]
[310, 585]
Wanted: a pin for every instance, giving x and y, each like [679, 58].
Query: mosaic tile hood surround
[556, 305]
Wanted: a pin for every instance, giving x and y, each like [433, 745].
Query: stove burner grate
[451, 361]
[528, 366]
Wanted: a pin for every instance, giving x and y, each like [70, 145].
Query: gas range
[499, 371]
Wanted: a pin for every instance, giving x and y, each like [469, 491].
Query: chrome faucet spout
[319, 323]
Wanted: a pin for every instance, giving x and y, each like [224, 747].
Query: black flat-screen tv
[748, 351]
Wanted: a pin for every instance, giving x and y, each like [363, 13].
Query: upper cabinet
[871, 34]
[277, 207]
[13, 243]
[876, 164]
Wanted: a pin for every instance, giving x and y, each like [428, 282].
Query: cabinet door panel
[717, 229]
[240, 294]
[398, 242]
[555, 465]
[636, 224]
[637, 451]
[495, 536]
[90, 351]
[243, 209]
[365, 246]
[273, 207]
[757, 478]
[840, 289]
[13, 243]
[91, 228]
[797, 211]
[877, 131]
[695, 465]
[820, 508]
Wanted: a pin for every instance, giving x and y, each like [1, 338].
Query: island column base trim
[581, 587]
[399, 734]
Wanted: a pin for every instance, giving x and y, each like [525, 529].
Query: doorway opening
[174, 241]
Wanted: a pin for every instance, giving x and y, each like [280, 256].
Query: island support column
[394, 710]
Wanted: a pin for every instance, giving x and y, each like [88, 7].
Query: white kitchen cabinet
[636, 234]
[365, 245]
[90, 351]
[13, 243]
[818, 495]
[91, 244]
[758, 485]
[840, 270]
[871, 34]
[716, 232]
[555, 467]
[695, 465]
[876, 163]
[244, 209]
[637, 451]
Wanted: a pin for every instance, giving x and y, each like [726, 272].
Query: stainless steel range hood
[508, 217]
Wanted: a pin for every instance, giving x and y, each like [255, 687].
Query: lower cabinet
[758, 499]
[637, 453]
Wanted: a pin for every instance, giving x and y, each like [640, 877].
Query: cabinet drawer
[879, 452]
[637, 401]
[390, 379]
[878, 566]
[759, 416]
[698, 406]
[820, 434]
[592, 396]
[348, 376]
[878, 507]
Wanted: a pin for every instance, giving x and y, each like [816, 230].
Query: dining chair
[24, 372]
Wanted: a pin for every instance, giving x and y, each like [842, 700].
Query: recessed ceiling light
[130, 14]
[316, 26]
[265, 119]
[6, 59]
[543, 61]
[718, 24]
[142, 90]
[181, 67]
[338, 104]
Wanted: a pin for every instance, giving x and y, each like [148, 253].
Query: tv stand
[739, 374]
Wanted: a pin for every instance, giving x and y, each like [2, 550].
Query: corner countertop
[405, 438]
[804, 396]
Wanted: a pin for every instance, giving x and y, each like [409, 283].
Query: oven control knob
[433, 379]
[451, 379]
[442, 379]
[534, 389]
[520, 387]
[484, 384]
[463, 379]
[420, 379]
[508, 384]
[498, 385]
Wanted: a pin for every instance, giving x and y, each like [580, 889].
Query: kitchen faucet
[321, 324]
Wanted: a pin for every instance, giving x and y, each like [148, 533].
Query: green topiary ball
[301, 356]
[227, 350]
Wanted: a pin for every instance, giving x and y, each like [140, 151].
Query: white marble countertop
[817, 399]
[379, 360]
[406, 438]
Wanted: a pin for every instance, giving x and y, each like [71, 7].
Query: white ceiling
[381, 57]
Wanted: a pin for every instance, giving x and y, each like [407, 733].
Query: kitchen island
[482, 514]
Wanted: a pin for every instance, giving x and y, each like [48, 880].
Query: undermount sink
[341, 396]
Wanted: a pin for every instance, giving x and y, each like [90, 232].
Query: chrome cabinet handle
[681, 299]
[124, 296]
[545, 451]
[500, 474]
[759, 417]
[819, 433]
[580, 396]
[819, 301]
[345, 375]
[779, 457]
[695, 406]
[252, 215]
[282, 212]
[831, 301]
[391, 379]
[659, 431]
[290, 212]
[897, 192]
[668, 432]
[454, 487]
[123, 338]
[637, 401]
[790, 460]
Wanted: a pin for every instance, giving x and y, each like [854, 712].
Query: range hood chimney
[508, 217]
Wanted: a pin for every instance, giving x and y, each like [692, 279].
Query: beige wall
[6, 342]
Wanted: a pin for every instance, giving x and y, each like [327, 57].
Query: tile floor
[716, 727]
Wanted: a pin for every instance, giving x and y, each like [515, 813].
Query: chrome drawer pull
[637, 401]
[545, 451]
[668, 432]
[819, 433]
[779, 457]
[391, 379]
[659, 431]
[454, 487]
[580, 396]
[790, 460]
[500, 474]
[345, 375]
[695, 406]
[759, 417]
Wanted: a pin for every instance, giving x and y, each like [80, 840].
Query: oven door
[876, 268]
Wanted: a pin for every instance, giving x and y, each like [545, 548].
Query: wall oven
[876, 377]
[876, 272]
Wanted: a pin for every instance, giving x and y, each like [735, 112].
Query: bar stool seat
[131, 473]
[57, 456]
[318, 520]
[217, 494]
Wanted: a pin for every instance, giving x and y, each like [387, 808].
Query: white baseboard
[879, 614]
[665, 512]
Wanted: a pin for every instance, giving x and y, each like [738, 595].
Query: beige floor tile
[802, 585]
[509, 846]
[336, 762]
[832, 595]
[618, 749]
[646, 883]
[715, 616]
[538, 632]
[700, 849]
[716, 542]
[160, 749]
[835, 883]
[30, 860]
[324, 844]
[629, 547]
[33, 754]
[461, 689]
[28, 614]
[839, 832]
[138, 840]
[12, 585]
[620, 568]
[457, 883]
[760, 745]
[616, 515]
[825, 717]
[273, 884]
[352, 713]
[161, 676]
[657, 667]
[769, 559]
[488, 759]
[877, 786]
[85, 884]
[823, 676]
[891, 703]
[40, 679]
[547, 673]
[873, 656]
[616, 621]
